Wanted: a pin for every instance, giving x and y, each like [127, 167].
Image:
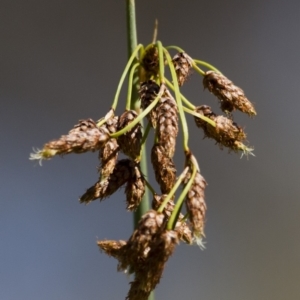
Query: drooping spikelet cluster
[231, 97]
[160, 229]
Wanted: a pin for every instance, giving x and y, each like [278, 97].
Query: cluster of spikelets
[164, 226]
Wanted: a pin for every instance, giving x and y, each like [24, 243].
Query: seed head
[226, 132]
[85, 136]
[135, 188]
[102, 189]
[148, 92]
[130, 141]
[231, 97]
[182, 63]
[148, 275]
[108, 156]
[164, 168]
[167, 123]
[195, 204]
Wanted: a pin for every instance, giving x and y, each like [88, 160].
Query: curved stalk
[132, 57]
[207, 65]
[130, 86]
[175, 213]
[185, 100]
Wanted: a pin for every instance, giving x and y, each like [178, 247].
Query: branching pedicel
[160, 229]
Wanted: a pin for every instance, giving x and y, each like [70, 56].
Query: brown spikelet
[148, 275]
[226, 132]
[112, 248]
[167, 123]
[184, 232]
[164, 168]
[195, 204]
[182, 64]
[85, 136]
[231, 97]
[135, 189]
[102, 189]
[108, 156]
[138, 245]
[130, 141]
[148, 92]
[150, 61]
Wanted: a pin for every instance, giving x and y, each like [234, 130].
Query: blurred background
[60, 62]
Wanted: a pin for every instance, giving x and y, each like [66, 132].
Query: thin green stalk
[185, 100]
[185, 131]
[140, 116]
[206, 119]
[161, 62]
[175, 213]
[197, 69]
[131, 58]
[175, 48]
[130, 86]
[173, 190]
[207, 65]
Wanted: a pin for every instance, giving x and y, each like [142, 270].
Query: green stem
[132, 44]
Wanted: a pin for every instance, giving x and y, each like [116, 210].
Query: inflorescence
[164, 226]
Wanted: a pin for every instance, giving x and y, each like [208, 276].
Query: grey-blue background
[60, 62]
